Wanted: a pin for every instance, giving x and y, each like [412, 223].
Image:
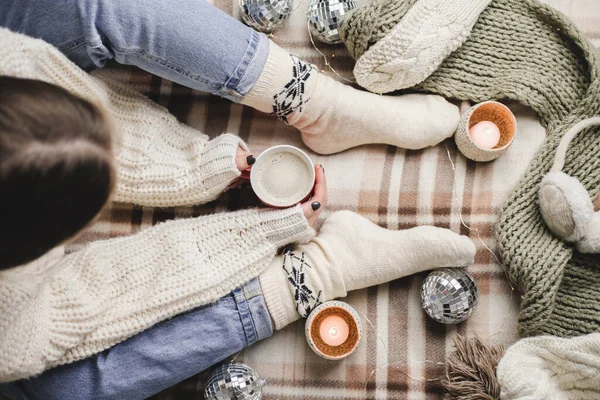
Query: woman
[60, 309]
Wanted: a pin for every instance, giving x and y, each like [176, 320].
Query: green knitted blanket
[526, 51]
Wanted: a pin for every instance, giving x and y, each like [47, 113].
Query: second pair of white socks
[352, 253]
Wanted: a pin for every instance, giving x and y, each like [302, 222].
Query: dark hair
[56, 167]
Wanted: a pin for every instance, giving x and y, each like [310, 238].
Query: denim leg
[190, 42]
[159, 357]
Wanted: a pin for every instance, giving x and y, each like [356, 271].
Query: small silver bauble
[324, 17]
[265, 15]
[234, 381]
[449, 295]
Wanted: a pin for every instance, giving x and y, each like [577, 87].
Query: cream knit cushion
[418, 44]
[352, 253]
[551, 368]
[161, 162]
[60, 309]
[334, 117]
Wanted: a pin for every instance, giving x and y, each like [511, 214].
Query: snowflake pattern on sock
[304, 295]
[292, 98]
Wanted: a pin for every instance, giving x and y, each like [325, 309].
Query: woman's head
[56, 167]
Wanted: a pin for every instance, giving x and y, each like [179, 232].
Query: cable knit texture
[61, 309]
[352, 253]
[334, 117]
[161, 162]
[551, 368]
[371, 23]
[525, 51]
[424, 37]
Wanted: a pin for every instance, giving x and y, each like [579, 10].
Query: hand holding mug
[283, 176]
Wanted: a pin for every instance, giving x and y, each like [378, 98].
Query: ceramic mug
[270, 155]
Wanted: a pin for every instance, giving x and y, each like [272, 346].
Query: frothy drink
[282, 176]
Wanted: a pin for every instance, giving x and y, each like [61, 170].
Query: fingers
[243, 159]
[313, 207]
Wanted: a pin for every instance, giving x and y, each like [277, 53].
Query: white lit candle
[334, 330]
[485, 135]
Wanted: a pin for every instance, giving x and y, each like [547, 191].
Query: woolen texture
[429, 32]
[352, 253]
[60, 309]
[334, 117]
[526, 51]
[160, 162]
[551, 368]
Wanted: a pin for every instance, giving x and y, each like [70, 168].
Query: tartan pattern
[394, 188]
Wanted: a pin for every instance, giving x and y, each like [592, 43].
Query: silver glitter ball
[449, 295]
[265, 15]
[324, 17]
[234, 381]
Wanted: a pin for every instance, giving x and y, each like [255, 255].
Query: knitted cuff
[283, 86]
[271, 80]
[429, 32]
[194, 176]
[278, 296]
[289, 291]
[217, 166]
[286, 226]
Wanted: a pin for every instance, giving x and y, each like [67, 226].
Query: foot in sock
[352, 253]
[334, 117]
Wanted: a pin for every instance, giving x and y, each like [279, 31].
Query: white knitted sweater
[59, 309]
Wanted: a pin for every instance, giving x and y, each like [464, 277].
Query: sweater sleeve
[160, 162]
[88, 301]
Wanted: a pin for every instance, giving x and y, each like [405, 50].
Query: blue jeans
[190, 42]
[159, 357]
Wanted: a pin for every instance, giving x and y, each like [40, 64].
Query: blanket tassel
[471, 370]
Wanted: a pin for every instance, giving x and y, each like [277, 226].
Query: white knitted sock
[418, 44]
[334, 117]
[551, 368]
[352, 253]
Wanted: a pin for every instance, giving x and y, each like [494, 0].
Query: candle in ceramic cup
[334, 330]
[485, 135]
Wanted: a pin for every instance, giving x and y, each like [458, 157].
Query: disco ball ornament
[324, 17]
[265, 15]
[234, 381]
[449, 295]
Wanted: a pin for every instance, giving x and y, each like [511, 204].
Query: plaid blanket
[403, 352]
